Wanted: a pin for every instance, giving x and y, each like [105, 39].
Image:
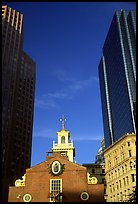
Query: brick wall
[74, 182]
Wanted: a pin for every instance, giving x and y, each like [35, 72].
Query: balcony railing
[70, 144]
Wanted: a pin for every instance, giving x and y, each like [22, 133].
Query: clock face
[56, 167]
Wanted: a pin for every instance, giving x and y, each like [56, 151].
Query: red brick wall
[74, 182]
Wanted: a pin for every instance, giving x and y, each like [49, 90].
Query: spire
[63, 122]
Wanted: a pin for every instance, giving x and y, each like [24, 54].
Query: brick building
[58, 178]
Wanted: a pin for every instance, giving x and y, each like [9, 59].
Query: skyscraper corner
[117, 74]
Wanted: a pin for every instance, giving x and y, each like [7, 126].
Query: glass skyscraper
[117, 76]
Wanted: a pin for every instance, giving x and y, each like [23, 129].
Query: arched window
[63, 139]
[115, 173]
[125, 167]
[118, 172]
[122, 170]
[109, 177]
[132, 165]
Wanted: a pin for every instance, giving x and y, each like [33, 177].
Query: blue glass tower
[117, 76]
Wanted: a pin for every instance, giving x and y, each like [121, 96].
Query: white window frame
[59, 190]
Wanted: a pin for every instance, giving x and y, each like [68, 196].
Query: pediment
[43, 165]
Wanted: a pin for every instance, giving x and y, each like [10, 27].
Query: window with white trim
[55, 190]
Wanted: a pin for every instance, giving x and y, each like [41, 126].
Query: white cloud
[81, 84]
[46, 103]
[50, 100]
[47, 133]
[87, 138]
[51, 134]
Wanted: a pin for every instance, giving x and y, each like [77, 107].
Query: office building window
[103, 171]
[115, 173]
[131, 165]
[120, 183]
[110, 189]
[113, 187]
[133, 177]
[124, 181]
[122, 170]
[127, 180]
[93, 171]
[130, 153]
[121, 196]
[125, 167]
[118, 172]
[118, 197]
[117, 185]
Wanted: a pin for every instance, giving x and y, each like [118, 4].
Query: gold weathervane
[63, 122]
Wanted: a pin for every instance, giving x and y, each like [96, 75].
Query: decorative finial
[63, 122]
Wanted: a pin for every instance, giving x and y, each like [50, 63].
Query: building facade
[96, 174]
[117, 74]
[18, 88]
[120, 168]
[58, 179]
[100, 154]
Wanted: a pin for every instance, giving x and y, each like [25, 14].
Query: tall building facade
[120, 168]
[18, 89]
[117, 74]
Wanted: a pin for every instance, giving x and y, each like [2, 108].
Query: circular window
[27, 197]
[94, 180]
[84, 196]
[18, 182]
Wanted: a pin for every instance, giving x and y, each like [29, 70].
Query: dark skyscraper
[117, 76]
[18, 90]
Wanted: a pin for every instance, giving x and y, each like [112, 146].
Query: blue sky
[65, 39]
